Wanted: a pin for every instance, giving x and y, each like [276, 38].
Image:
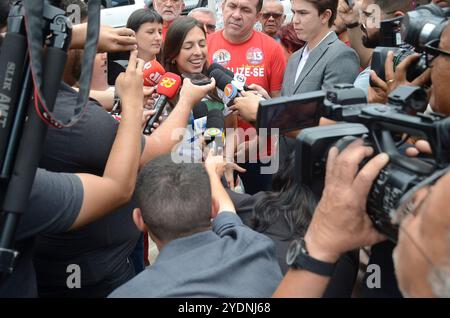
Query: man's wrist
[317, 251]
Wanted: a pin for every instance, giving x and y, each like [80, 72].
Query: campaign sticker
[222, 57]
[254, 55]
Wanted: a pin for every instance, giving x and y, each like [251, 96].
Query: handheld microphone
[167, 88]
[215, 124]
[238, 80]
[153, 72]
[200, 113]
[224, 82]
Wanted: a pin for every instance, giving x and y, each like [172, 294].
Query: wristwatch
[298, 257]
[352, 25]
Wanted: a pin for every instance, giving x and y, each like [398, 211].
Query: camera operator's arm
[163, 139]
[110, 39]
[351, 16]
[340, 222]
[103, 194]
[215, 166]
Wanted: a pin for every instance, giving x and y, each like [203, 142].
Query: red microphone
[167, 88]
[153, 72]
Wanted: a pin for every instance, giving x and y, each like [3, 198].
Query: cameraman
[340, 222]
[365, 36]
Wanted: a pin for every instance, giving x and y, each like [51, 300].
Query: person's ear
[138, 220]
[326, 16]
[214, 208]
[399, 14]
[182, 5]
[283, 18]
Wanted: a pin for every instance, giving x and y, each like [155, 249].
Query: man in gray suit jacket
[324, 60]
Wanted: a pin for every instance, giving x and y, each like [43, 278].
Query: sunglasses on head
[272, 14]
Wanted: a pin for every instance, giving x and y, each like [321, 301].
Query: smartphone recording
[117, 63]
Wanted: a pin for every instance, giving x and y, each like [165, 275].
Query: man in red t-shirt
[169, 11]
[245, 51]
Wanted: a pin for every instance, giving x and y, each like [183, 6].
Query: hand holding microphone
[167, 89]
[152, 74]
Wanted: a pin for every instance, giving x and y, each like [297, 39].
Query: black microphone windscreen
[200, 110]
[215, 119]
[222, 79]
[216, 66]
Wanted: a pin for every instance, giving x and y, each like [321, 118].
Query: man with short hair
[169, 11]
[272, 17]
[205, 16]
[198, 257]
[254, 55]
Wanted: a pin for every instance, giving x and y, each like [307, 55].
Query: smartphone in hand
[197, 78]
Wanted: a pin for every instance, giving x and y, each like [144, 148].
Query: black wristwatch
[298, 257]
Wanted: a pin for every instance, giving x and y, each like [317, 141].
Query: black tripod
[22, 131]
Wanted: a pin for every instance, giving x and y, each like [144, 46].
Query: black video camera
[416, 29]
[383, 127]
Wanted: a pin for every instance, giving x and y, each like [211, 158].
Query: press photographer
[345, 218]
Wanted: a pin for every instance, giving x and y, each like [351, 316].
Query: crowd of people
[103, 190]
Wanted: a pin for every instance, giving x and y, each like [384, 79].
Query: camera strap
[34, 13]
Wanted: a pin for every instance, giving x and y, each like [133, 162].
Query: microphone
[217, 66]
[213, 136]
[153, 72]
[239, 80]
[200, 113]
[167, 88]
[228, 91]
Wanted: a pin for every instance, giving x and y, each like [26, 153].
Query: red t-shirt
[260, 59]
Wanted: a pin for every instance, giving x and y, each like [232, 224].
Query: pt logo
[74, 279]
[374, 279]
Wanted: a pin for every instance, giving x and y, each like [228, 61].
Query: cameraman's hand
[110, 39]
[193, 94]
[116, 40]
[421, 146]
[130, 85]
[348, 14]
[340, 222]
[247, 106]
[397, 78]
[379, 92]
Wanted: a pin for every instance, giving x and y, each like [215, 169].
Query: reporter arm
[214, 166]
[103, 194]
[220, 194]
[110, 39]
[105, 98]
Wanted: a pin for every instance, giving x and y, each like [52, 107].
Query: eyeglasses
[210, 27]
[432, 48]
[408, 204]
[276, 16]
